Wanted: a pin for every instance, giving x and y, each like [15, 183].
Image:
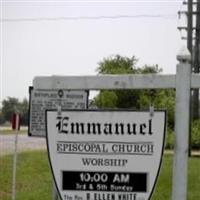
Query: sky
[44, 38]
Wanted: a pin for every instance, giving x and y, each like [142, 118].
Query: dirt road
[25, 143]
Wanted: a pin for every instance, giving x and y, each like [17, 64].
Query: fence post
[183, 84]
[16, 127]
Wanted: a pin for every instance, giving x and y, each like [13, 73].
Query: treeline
[11, 105]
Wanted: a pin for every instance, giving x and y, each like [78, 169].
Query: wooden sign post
[15, 126]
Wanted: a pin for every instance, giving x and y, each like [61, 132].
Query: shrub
[170, 136]
[196, 135]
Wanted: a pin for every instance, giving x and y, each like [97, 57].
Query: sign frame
[31, 89]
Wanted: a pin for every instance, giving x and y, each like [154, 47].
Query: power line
[88, 18]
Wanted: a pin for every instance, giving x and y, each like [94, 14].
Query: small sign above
[105, 155]
[40, 100]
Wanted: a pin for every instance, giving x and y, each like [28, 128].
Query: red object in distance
[15, 121]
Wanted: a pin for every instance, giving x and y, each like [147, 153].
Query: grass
[164, 184]
[34, 181]
[11, 132]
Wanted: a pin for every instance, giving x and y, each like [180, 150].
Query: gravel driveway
[25, 143]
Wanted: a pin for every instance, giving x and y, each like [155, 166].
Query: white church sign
[105, 155]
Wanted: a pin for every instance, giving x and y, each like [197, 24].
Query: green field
[11, 132]
[34, 181]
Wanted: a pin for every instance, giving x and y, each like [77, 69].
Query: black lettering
[107, 129]
[150, 127]
[62, 124]
[119, 129]
[131, 131]
[142, 127]
[94, 128]
[77, 128]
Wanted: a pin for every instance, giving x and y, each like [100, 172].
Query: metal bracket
[59, 106]
[151, 110]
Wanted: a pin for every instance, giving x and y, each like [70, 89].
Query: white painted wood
[180, 164]
[105, 82]
[184, 55]
[110, 82]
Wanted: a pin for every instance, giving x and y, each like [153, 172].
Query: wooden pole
[15, 124]
[182, 118]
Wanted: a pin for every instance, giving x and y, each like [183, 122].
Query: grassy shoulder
[12, 132]
[34, 180]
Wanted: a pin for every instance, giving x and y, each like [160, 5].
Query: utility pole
[189, 28]
[190, 25]
[194, 51]
[190, 48]
[196, 63]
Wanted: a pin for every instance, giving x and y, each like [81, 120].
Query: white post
[183, 83]
[15, 158]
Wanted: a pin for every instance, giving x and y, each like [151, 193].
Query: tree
[117, 65]
[106, 99]
[135, 99]
[160, 98]
[123, 98]
[11, 105]
[1, 118]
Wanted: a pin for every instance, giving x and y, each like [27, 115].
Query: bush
[196, 135]
[170, 137]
